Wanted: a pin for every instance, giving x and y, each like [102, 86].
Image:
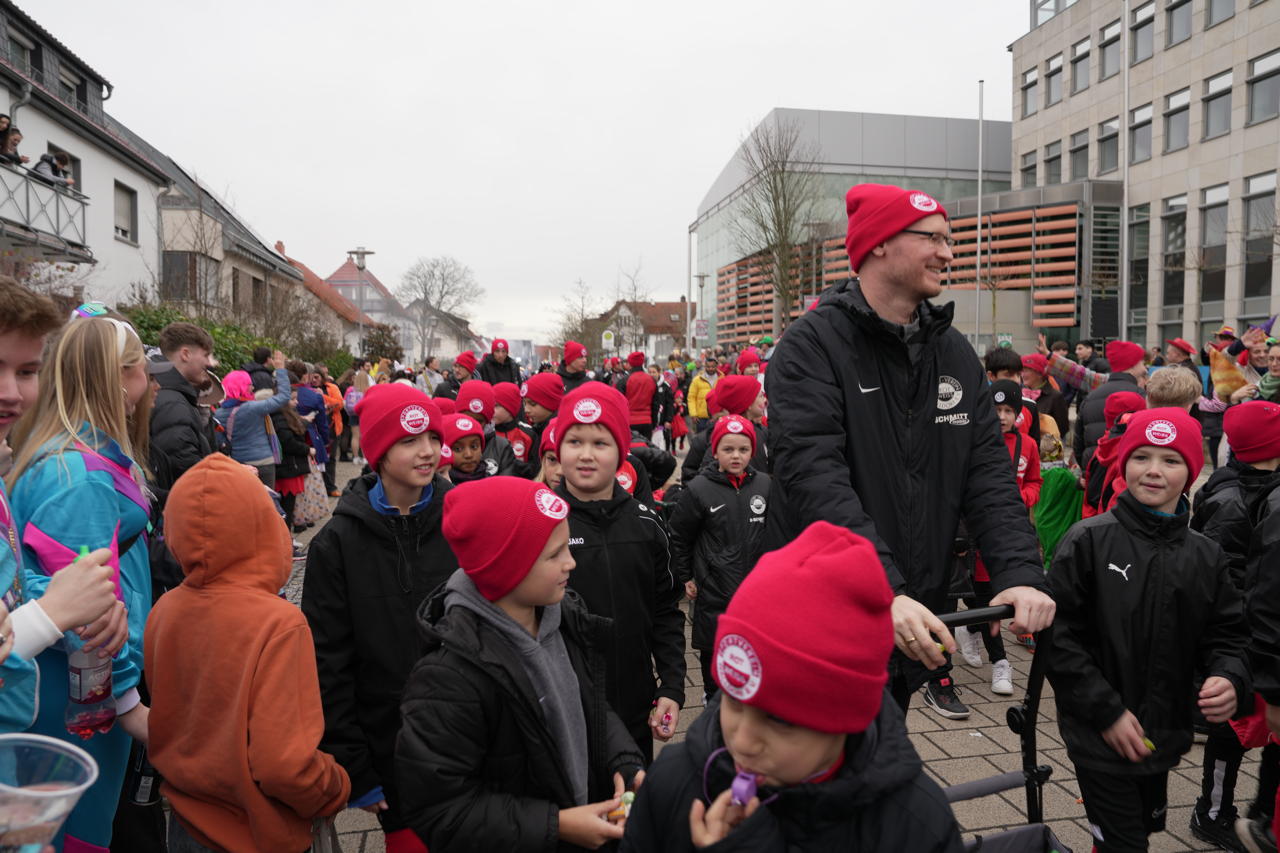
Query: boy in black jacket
[799, 751]
[368, 571]
[507, 742]
[717, 531]
[624, 565]
[1143, 605]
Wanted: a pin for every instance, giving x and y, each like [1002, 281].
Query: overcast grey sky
[539, 143]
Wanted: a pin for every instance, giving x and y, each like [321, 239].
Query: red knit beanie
[1165, 427]
[446, 406]
[878, 212]
[476, 396]
[1253, 430]
[499, 344]
[596, 403]
[507, 395]
[733, 425]
[549, 439]
[636, 359]
[391, 411]
[1035, 361]
[827, 670]
[498, 556]
[446, 457]
[748, 358]
[459, 426]
[1121, 403]
[466, 360]
[736, 393]
[1123, 355]
[573, 351]
[545, 389]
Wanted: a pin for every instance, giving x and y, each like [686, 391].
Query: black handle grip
[976, 616]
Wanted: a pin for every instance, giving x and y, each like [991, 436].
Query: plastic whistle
[84, 552]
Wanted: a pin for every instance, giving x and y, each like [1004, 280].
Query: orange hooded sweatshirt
[236, 718]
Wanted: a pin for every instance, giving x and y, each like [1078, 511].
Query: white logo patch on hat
[587, 410]
[758, 504]
[414, 420]
[464, 424]
[524, 389]
[551, 505]
[446, 453]
[734, 426]
[476, 406]
[950, 393]
[1000, 396]
[738, 667]
[1161, 432]
[923, 202]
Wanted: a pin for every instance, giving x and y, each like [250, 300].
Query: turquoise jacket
[21, 677]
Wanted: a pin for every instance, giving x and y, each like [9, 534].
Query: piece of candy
[1146, 741]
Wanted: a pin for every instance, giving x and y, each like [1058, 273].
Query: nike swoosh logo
[716, 508]
[867, 390]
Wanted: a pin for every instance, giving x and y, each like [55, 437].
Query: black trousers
[1123, 810]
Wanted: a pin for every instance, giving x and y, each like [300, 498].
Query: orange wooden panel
[1053, 322]
[1054, 308]
[1056, 293]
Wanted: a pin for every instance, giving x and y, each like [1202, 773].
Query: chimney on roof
[280, 246]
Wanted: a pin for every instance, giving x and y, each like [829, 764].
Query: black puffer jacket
[499, 458]
[624, 573]
[179, 432]
[493, 373]
[295, 453]
[1222, 512]
[479, 768]
[367, 575]
[448, 388]
[1144, 605]
[1262, 582]
[880, 800]
[571, 380]
[700, 456]
[895, 440]
[717, 535]
[1091, 418]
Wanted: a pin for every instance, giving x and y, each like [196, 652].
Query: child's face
[551, 470]
[467, 453]
[20, 359]
[1156, 477]
[1011, 375]
[1008, 417]
[535, 412]
[412, 460]
[756, 410]
[546, 581]
[733, 454]
[589, 458]
[783, 753]
[1031, 378]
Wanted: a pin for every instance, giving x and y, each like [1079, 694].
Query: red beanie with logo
[733, 425]
[748, 358]
[499, 344]
[735, 393]
[466, 360]
[476, 396]
[498, 557]
[545, 389]
[1253, 430]
[878, 212]
[549, 439]
[459, 426]
[626, 477]
[636, 359]
[1169, 427]
[573, 351]
[446, 406]
[826, 671]
[391, 411]
[596, 403]
[1035, 361]
[446, 457]
[1121, 403]
[507, 395]
[1123, 355]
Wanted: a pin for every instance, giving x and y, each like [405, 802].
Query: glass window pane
[1213, 226]
[1220, 10]
[1140, 143]
[1179, 23]
[1110, 62]
[1264, 98]
[1214, 195]
[1079, 164]
[1177, 128]
[1217, 115]
[1143, 42]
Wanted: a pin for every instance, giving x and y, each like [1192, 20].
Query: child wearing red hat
[368, 570]
[477, 398]
[549, 472]
[798, 751]
[506, 744]
[542, 394]
[733, 395]
[507, 409]
[1144, 606]
[465, 436]
[717, 530]
[625, 569]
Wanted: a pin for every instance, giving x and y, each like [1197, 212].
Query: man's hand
[1032, 609]
[1218, 699]
[664, 718]
[1125, 736]
[1253, 335]
[914, 628]
[278, 360]
[1042, 344]
[691, 589]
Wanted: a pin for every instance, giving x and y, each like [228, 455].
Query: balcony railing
[38, 206]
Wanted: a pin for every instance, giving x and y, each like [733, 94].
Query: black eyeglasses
[937, 238]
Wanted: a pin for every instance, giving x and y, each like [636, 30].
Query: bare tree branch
[578, 309]
[435, 286]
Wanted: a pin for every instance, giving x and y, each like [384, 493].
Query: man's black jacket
[179, 432]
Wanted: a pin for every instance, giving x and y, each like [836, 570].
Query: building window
[237, 288]
[1218, 11]
[1029, 169]
[73, 163]
[1264, 87]
[178, 276]
[1109, 51]
[1053, 163]
[1177, 120]
[26, 54]
[1213, 244]
[1143, 33]
[1108, 146]
[1080, 66]
[126, 213]
[259, 294]
[1139, 257]
[1080, 155]
[1029, 85]
[1175, 249]
[1260, 239]
[1178, 22]
[1140, 134]
[1217, 105]
[1053, 81]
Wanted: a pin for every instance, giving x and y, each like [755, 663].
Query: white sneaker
[1002, 678]
[970, 643]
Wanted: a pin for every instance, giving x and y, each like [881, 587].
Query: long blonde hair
[82, 383]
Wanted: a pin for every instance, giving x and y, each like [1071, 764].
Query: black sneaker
[1219, 832]
[940, 695]
[1255, 835]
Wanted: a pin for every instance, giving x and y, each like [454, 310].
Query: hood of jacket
[223, 528]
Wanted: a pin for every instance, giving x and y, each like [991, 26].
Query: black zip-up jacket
[572, 380]
[624, 573]
[717, 535]
[896, 440]
[479, 768]
[1222, 512]
[1262, 584]
[295, 453]
[179, 432]
[1144, 605]
[700, 456]
[367, 575]
[879, 800]
[498, 456]
[664, 404]
[448, 388]
[1091, 417]
[493, 373]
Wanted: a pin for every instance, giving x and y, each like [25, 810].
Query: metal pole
[688, 289]
[977, 270]
[1123, 302]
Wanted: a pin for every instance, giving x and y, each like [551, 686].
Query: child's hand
[1042, 345]
[137, 723]
[1125, 736]
[374, 808]
[1217, 699]
[664, 718]
[588, 826]
[108, 633]
[709, 826]
[82, 591]
[691, 589]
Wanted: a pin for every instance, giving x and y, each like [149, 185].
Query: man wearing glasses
[881, 421]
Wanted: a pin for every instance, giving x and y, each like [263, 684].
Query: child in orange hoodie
[235, 717]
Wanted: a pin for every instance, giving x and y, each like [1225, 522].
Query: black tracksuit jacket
[1144, 605]
[700, 456]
